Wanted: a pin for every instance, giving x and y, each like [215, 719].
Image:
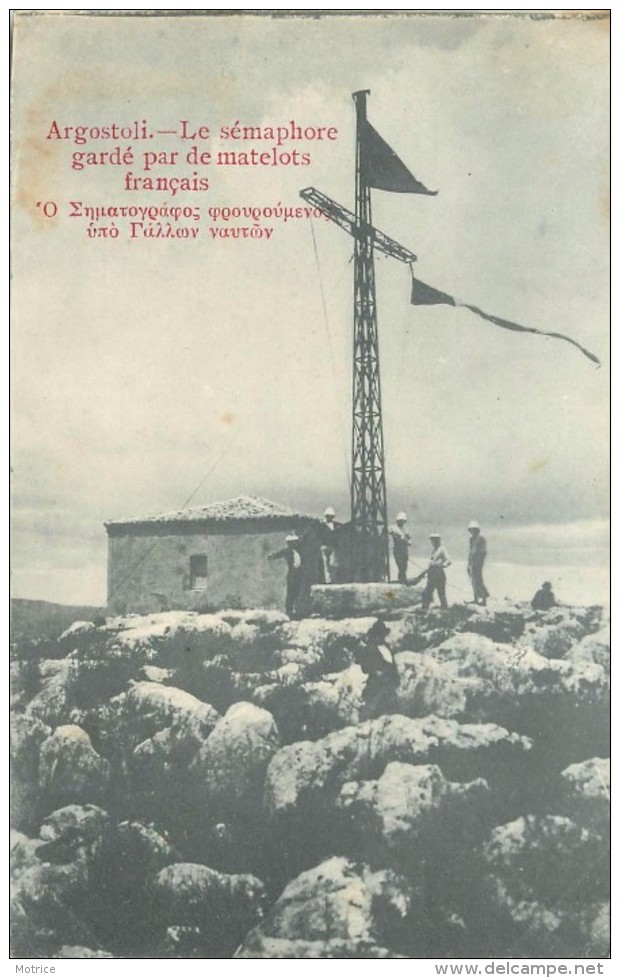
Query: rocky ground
[191, 785]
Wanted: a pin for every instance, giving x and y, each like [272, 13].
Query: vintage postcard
[310, 619]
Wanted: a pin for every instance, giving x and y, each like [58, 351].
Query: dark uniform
[544, 598]
[377, 664]
[436, 577]
[475, 563]
[401, 540]
[293, 576]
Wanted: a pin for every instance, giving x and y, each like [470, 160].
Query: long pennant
[426, 295]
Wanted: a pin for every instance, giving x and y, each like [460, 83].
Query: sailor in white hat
[291, 555]
[327, 536]
[475, 562]
[435, 573]
[401, 541]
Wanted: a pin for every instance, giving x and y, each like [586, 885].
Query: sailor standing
[435, 573]
[327, 536]
[401, 541]
[475, 562]
[291, 555]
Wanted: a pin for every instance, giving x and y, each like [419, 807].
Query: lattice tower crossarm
[368, 486]
[346, 220]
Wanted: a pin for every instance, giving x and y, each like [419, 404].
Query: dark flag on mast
[426, 295]
[382, 168]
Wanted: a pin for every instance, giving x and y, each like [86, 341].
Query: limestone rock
[98, 673]
[362, 751]
[427, 686]
[336, 700]
[44, 909]
[153, 760]
[175, 639]
[147, 630]
[556, 641]
[506, 626]
[152, 707]
[18, 695]
[159, 765]
[588, 618]
[313, 709]
[267, 619]
[76, 951]
[155, 674]
[406, 799]
[335, 641]
[88, 639]
[71, 770]
[338, 901]
[594, 648]
[50, 894]
[253, 646]
[22, 851]
[256, 684]
[590, 780]
[587, 793]
[257, 945]
[404, 632]
[53, 702]
[27, 733]
[183, 942]
[417, 630]
[141, 849]
[501, 670]
[255, 640]
[159, 768]
[224, 907]
[222, 685]
[595, 925]
[121, 883]
[511, 847]
[544, 871]
[74, 833]
[103, 723]
[197, 770]
[76, 632]
[308, 658]
[232, 762]
[361, 599]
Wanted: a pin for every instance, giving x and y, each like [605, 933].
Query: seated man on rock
[544, 598]
[377, 663]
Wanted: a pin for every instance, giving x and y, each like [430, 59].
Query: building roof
[240, 508]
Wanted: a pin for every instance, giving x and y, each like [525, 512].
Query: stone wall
[149, 573]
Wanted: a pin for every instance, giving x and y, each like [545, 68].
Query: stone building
[208, 557]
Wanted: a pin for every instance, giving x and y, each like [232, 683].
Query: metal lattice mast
[368, 492]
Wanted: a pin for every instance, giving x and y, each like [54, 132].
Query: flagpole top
[360, 105]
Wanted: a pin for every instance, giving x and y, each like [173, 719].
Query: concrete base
[344, 600]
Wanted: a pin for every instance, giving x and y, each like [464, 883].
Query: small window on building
[198, 572]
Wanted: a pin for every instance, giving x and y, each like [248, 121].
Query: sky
[146, 372]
